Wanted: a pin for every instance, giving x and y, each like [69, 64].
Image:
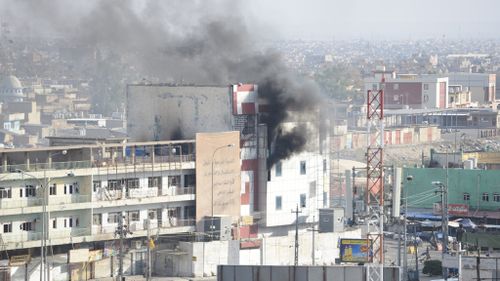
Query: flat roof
[71, 147]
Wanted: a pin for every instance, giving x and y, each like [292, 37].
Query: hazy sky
[295, 19]
[384, 19]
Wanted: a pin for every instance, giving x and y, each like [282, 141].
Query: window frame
[485, 197]
[278, 169]
[9, 227]
[466, 196]
[53, 189]
[496, 197]
[5, 192]
[303, 167]
[303, 200]
[278, 203]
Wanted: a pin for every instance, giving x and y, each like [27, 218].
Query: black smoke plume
[199, 42]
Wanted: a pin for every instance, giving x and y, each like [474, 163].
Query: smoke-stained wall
[165, 112]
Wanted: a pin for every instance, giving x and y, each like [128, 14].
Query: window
[65, 223]
[132, 183]
[7, 228]
[65, 189]
[30, 191]
[324, 166]
[27, 226]
[113, 217]
[154, 182]
[189, 180]
[5, 192]
[54, 223]
[426, 87]
[70, 222]
[174, 180]
[486, 197]
[77, 222]
[277, 168]
[97, 219]
[53, 189]
[152, 214]
[496, 197]
[114, 185]
[302, 167]
[133, 215]
[466, 196]
[21, 193]
[278, 203]
[96, 185]
[303, 200]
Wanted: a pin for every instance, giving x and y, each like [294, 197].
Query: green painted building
[479, 189]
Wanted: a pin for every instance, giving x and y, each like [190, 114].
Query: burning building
[284, 160]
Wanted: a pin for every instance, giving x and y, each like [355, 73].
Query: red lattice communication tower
[374, 194]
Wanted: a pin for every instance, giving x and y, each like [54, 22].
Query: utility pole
[297, 212]
[416, 252]
[148, 235]
[122, 231]
[313, 231]
[443, 189]
[405, 250]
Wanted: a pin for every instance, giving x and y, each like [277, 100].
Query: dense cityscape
[138, 144]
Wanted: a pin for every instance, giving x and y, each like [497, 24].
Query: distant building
[471, 192]
[458, 97]
[11, 89]
[410, 90]
[481, 85]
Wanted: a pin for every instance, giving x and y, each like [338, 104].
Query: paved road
[391, 256]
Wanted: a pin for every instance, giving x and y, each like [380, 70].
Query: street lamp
[213, 157]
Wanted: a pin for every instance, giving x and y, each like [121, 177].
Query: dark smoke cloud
[201, 42]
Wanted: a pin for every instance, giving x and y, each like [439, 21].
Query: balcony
[68, 232]
[68, 199]
[7, 203]
[170, 162]
[141, 193]
[21, 236]
[34, 167]
[108, 231]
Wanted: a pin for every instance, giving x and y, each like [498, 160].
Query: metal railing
[71, 165]
[34, 167]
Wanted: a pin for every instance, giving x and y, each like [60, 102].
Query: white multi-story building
[90, 187]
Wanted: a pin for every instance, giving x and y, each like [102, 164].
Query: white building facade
[90, 188]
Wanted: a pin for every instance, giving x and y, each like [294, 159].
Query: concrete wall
[202, 258]
[175, 112]
[300, 273]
